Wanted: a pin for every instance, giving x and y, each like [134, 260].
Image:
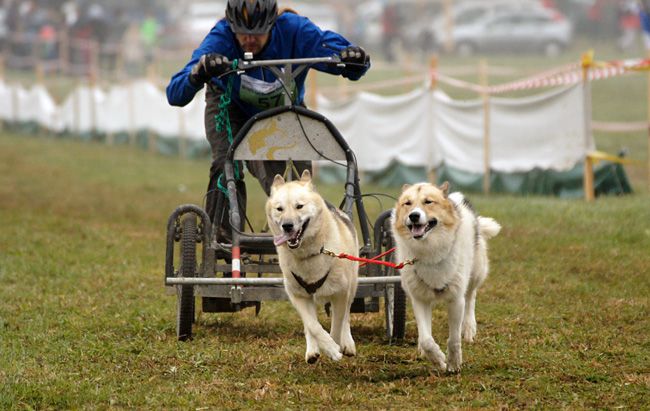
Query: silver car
[542, 30]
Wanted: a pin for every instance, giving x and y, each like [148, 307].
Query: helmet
[251, 16]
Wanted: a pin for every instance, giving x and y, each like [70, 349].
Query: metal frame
[241, 290]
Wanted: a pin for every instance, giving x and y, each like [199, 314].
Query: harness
[311, 288]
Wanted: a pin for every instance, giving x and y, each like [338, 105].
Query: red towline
[374, 260]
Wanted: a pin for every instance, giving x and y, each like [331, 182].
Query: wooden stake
[2, 79]
[92, 84]
[39, 72]
[182, 144]
[131, 113]
[648, 159]
[449, 26]
[76, 123]
[15, 104]
[433, 72]
[64, 52]
[313, 90]
[483, 74]
[588, 178]
[344, 88]
[120, 73]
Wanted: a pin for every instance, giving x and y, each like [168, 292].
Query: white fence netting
[424, 128]
[420, 128]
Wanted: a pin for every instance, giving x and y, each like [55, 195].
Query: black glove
[357, 56]
[209, 65]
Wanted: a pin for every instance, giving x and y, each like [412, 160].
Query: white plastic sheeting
[421, 128]
[546, 131]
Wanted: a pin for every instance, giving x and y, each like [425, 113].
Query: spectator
[390, 30]
[628, 18]
[149, 36]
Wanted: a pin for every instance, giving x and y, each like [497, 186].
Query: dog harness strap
[311, 288]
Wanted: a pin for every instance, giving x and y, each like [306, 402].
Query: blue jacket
[293, 36]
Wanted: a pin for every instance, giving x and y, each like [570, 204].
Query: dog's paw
[333, 351]
[454, 358]
[469, 331]
[312, 358]
[349, 350]
[348, 347]
[433, 353]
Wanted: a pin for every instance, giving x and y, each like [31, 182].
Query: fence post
[313, 105]
[648, 159]
[449, 25]
[131, 108]
[37, 62]
[2, 79]
[64, 52]
[39, 72]
[182, 143]
[483, 75]
[313, 90]
[93, 76]
[153, 79]
[588, 178]
[76, 109]
[433, 76]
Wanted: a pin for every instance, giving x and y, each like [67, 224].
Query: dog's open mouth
[292, 239]
[419, 230]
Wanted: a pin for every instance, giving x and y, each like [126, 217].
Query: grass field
[85, 321]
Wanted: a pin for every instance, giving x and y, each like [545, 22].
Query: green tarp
[609, 178]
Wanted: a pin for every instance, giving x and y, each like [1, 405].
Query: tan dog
[302, 225]
[448, 240]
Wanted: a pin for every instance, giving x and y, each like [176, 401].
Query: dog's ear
[445, 189]
[277, 181]
[405, 187]
[306, 176]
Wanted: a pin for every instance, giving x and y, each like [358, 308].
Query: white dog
[303, 225]
[448, 241]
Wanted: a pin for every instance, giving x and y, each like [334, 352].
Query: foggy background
[122, 38]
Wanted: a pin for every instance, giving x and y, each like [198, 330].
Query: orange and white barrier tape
[563, 76]
[620, 127]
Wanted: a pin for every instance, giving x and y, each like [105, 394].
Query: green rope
[222, 121]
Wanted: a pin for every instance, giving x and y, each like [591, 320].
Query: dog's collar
[312, 255]
[311, 288]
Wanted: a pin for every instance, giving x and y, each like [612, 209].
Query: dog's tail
[488, 227]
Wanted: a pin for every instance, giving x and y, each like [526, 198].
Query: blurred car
[430, 31]
[543, 30]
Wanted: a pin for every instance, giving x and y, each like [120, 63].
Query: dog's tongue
[418, 230]
[281, 239]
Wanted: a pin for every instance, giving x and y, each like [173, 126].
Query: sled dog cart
[242, 271]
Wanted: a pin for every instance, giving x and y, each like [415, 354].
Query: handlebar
[285, 70]
[249, 64]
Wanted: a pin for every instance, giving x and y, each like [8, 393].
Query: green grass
[85, 321]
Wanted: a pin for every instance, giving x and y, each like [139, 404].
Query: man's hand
[357, 56]
[209, 65]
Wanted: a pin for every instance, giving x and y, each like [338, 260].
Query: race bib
[262, 94]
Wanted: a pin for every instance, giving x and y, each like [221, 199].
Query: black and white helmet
[251, 16]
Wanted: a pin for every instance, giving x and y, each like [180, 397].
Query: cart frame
[255, 253]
